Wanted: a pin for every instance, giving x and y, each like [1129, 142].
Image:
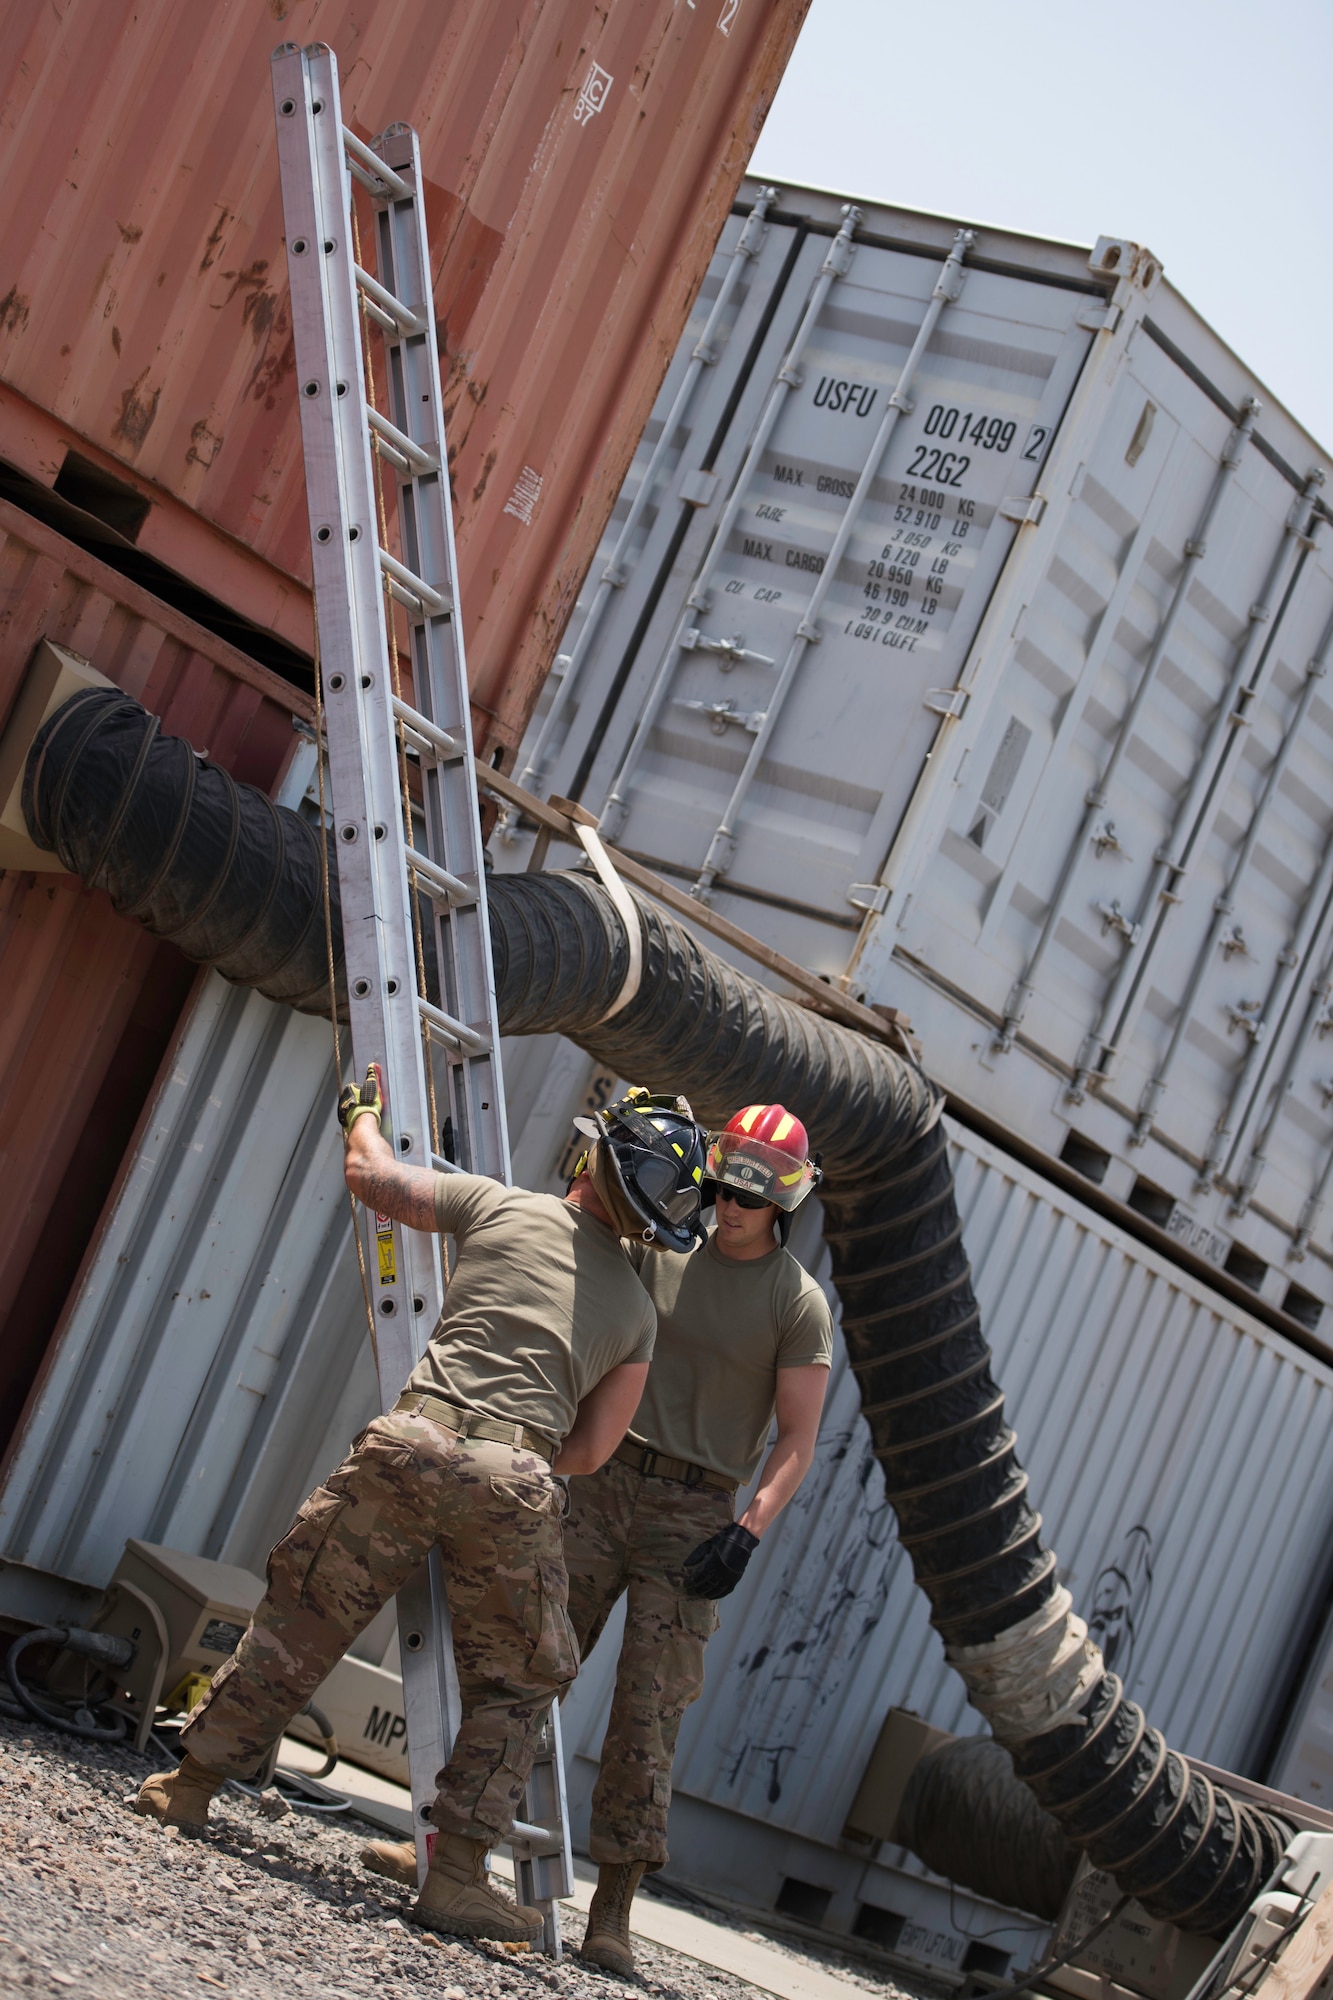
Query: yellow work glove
[369, 1097]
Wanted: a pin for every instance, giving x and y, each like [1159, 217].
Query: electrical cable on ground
[83, 1722]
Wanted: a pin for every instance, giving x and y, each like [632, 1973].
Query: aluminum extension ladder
[371, 733]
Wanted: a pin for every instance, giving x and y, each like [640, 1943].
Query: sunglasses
[742, 1198]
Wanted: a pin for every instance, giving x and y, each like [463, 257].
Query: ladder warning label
[384, 1244]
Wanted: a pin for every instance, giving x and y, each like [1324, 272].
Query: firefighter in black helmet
[648, 1167]
[533, 1372]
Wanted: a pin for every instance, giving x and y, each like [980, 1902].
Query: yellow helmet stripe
[784, 1126]
[790, 1180]
[748, 1116]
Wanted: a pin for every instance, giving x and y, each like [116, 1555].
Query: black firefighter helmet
[649, 1167]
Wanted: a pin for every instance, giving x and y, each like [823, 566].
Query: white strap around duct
[1034, 1677]
[591, 842]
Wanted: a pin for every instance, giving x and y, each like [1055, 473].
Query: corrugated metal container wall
[580, 161]
[214, 1362]
[1180, 1451]
[1303, 1762]
[1056, 778]
[90, 1003]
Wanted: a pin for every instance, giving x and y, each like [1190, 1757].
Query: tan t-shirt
[724, 1328]
[543, 1302]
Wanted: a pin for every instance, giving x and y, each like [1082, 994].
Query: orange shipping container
[88, 1002]
[580, 159]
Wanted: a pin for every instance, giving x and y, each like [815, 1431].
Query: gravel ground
[96, 1901]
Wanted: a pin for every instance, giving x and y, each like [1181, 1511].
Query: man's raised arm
[369, 1167]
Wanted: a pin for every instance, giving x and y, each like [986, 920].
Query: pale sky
[1200, 130]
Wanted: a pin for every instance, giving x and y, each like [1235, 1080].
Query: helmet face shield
[656, 1179]
[753, 1166]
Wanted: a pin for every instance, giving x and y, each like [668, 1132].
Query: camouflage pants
[407, 1484]
[629, 1534]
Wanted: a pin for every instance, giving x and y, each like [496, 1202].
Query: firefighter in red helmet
[743, 1333]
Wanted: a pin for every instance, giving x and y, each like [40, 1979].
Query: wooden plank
[1307, 1958]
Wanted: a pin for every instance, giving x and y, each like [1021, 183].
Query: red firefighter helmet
[764, 1150]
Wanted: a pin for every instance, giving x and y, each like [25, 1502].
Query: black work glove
[717, 1565]
[353, 1102]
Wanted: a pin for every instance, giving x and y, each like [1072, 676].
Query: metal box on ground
[185, 1616]
[962, 630]
[901, 1744]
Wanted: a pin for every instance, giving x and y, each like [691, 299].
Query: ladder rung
[373, 172]
[403, 318]
[438, 882]
[382, 318]
[437, 740]
[443, 1166]
[523, 1830]
[424, 595]
[464, 1038]
[414, 455]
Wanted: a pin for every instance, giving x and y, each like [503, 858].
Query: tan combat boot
[456, 1897]
[395, 1858]
[606, 1941]
[179, 1797]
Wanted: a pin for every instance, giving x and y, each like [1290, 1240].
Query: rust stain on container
[90, 1003]
[581, 160]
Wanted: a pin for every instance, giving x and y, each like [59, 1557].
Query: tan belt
[656, 1465]
[472, 1424]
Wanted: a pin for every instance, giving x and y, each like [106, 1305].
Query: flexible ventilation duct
[212, 866]
[966, 1815]
[235, 882]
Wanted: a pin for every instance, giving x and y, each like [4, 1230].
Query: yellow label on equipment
[384, 1239]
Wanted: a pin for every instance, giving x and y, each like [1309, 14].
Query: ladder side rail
[544, 1872]
[404, 1266]
[439, 669]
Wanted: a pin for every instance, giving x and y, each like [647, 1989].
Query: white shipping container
[962, 631]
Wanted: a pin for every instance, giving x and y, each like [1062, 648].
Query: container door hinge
[873, 897]
[1024, 508]
[697, 488]
[1099, 318]
[948, 702]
